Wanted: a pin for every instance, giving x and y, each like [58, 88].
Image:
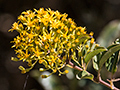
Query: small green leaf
[84, 75]
[90, 55]
[108, 54]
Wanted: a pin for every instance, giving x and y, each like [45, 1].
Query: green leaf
[111, 63]
[108, 54]
[96, 60]
[83, 51]
[84, 75]
[90, 55]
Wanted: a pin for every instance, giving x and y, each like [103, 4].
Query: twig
[99, 80]
[107, 85]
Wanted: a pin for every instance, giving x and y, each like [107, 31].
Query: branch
[74, 66]
[107, 85]
[99, 80]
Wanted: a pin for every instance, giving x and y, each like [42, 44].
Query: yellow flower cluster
[47, 36]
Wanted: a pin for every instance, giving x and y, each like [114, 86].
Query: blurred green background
[100, 16]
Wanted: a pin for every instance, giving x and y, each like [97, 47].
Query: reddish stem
[100, 80]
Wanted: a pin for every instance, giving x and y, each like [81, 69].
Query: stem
[99, 77]
[74, 66]
[107, 85]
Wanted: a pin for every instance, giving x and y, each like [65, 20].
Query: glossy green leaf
[108, 54]
[84, 75]
[90, 55]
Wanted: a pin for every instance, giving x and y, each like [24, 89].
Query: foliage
[50, 38]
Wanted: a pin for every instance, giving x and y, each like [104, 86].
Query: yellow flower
[56, 39]
[86, 46]
[97, 45]
[43, 39]
[73, 26]
[72, 36]
[37, 43]
[54, 70]
[41, 61]
[66, 28]
[30, 23]
[44, 36]
[84, 32]
[91, 33]
[83, 29]
[71, 29]
[48, 36]
[52, 50]
[92, 40]
[58, 31]
[64, 35]
[21, 17]
[66, 71]
[59, 61]
[60, 51]
[78, 33]
[15, 26]
[76, 40]
[73, 45]
[68, 44]
[37, 27]
[20, 25]
[23, 71]
[31, 15]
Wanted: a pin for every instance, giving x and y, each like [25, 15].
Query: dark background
[94, 14]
